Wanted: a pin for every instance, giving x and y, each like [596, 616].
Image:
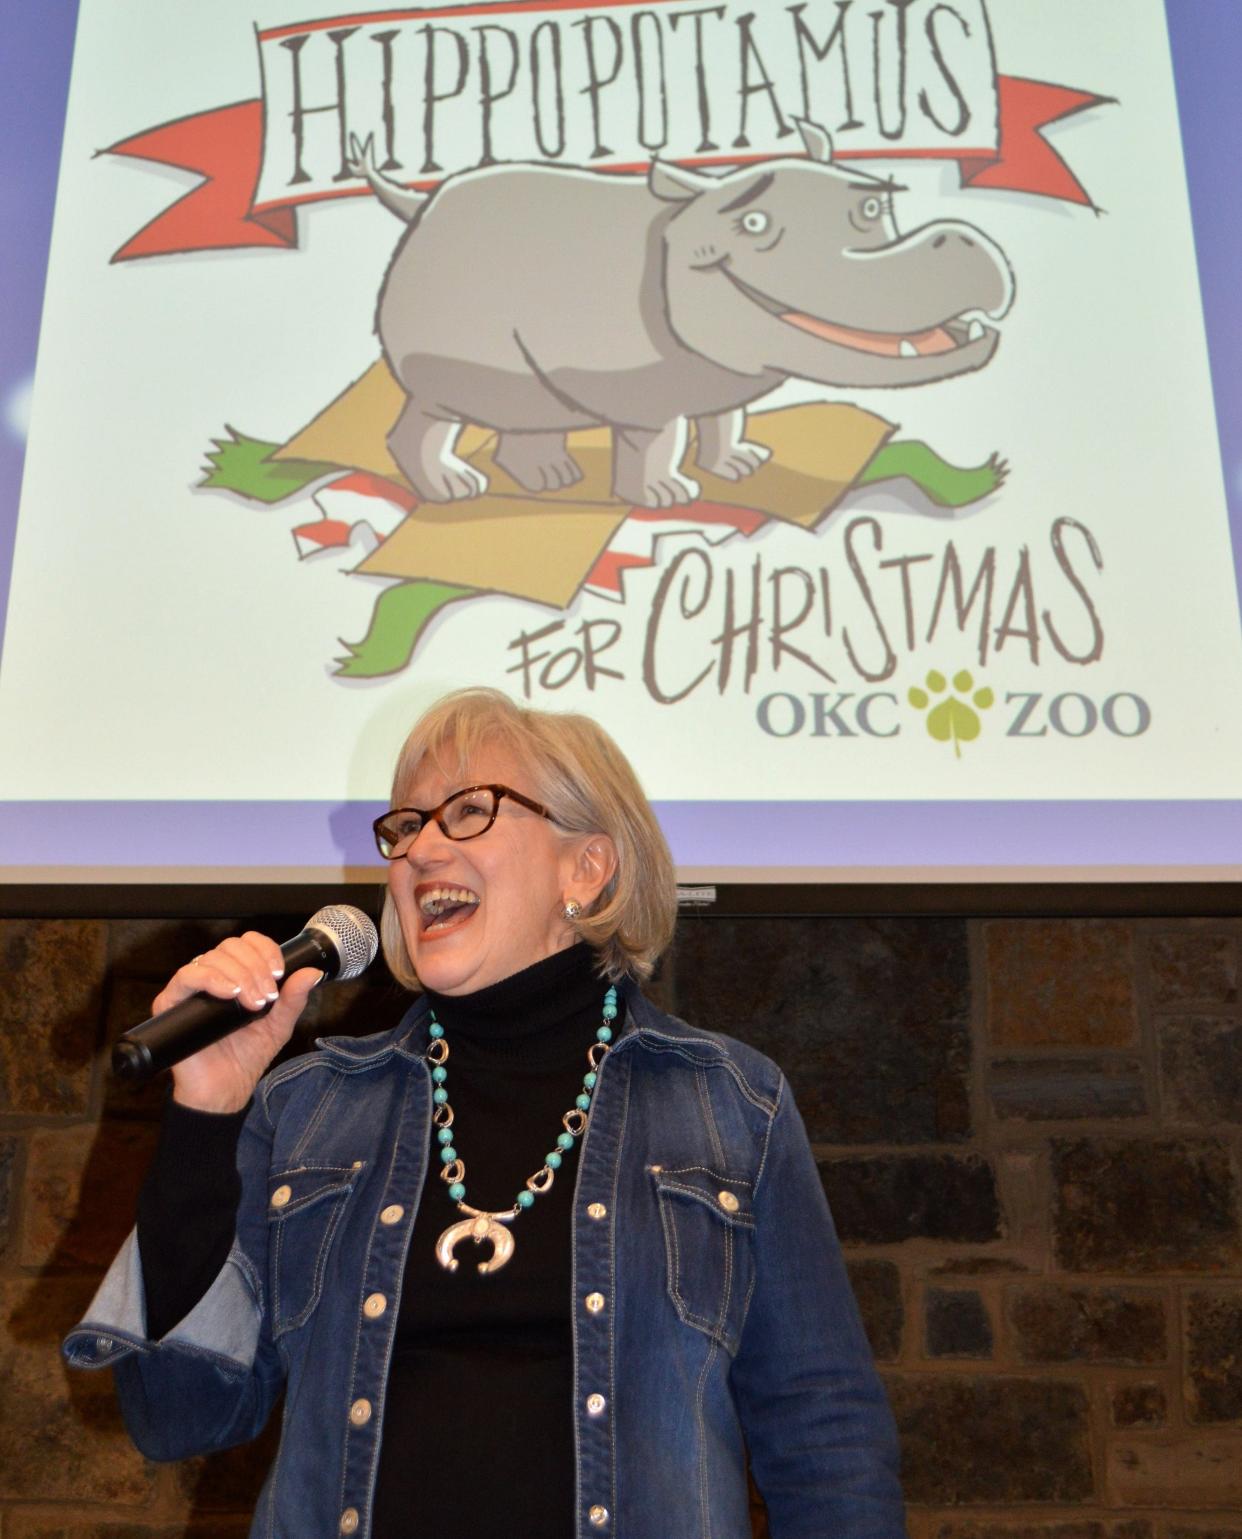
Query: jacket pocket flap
[290, 1191]
[726, 1196]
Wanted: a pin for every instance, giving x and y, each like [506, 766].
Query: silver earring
[572, 909]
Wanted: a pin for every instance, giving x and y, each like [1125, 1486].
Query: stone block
[153, 949]
[1189, 967]
[877, 1287]
[1181, 1472]
[1062, 1089]
[992, 1440]
[978, 1266]
[61, 1438]
[1165, 1205]
[1214, 1356]
[826, 997]
[1190, 1531]
[1055, 1324]
[8, 1190]
[1061, 982]
[884, 1199]
[82, 1192]
[1084, 1528]
[27, 1524]
[957, 1324]
[49, 1013]
[1138, 1405]
[1201, 1069]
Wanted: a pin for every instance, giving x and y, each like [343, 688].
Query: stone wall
[1030, 1132]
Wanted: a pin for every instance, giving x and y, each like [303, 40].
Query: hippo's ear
[817, 141]
[677, 184]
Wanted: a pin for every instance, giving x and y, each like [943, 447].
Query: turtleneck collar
[558, 991]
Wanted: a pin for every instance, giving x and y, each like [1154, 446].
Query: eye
[405, 826]
[756, 222]
[871, 208]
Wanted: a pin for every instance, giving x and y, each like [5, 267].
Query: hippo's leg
[423, 447]
[646, 466]
[722, 449]
[538, 461]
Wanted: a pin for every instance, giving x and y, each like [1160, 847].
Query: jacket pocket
[709, 1226]
[305, 1206]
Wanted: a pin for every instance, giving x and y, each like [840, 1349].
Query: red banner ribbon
[224, 146]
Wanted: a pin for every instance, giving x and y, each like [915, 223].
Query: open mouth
[948, 337]
[891, 344]
[444, 907]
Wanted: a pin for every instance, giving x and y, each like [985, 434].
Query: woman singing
[539, 1261]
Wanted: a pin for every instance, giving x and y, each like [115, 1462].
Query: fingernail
[274, 995]
[237, 991]
[278, 972]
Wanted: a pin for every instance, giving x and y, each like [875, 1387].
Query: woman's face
[520, 872]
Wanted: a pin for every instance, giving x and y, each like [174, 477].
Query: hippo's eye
[872, 208]
[755, 223]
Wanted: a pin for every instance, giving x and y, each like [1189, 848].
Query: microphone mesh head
[352, 933]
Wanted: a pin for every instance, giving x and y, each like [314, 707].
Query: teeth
[436, 899]
[907, 349]
[975, 331]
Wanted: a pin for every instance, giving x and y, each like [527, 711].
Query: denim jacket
[712, 1316]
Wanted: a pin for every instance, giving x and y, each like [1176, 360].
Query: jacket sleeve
[822, 1441]
[211, 1381]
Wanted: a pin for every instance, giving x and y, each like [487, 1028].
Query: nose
[424, 847]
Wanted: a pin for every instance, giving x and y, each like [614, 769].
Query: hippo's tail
[402, 201]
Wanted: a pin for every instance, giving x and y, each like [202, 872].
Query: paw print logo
[953, 720]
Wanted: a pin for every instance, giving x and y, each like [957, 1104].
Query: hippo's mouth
[934, 340]
[890, 344]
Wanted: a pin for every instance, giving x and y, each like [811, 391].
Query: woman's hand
[248, 968]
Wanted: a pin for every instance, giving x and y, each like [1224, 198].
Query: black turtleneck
[478, 1420]
[481, 1383]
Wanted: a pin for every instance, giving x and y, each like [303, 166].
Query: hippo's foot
[539, 462]
[741, 461]
[724, 452]
[645, 467]
[423, 447]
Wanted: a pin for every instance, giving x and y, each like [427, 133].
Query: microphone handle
[197, 1022]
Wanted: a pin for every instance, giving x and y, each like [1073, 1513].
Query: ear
[677, 184]
[593, 866]
[816, 141]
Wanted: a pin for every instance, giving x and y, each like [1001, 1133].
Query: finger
[253, 961]
[300, 984]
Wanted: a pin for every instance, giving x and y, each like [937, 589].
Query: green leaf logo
[952, 720]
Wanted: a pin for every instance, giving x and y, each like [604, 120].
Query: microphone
[340, 940]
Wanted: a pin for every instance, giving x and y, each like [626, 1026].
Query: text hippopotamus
[535, 300]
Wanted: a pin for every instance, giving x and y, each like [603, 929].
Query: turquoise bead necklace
[478, 1224]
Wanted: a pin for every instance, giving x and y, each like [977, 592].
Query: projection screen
[821, 396]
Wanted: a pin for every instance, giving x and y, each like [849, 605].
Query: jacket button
[597, 1210]
[598, 1515]
[727, 1201]
[281, 1196]
[392, 1214]
[349, 1520]
[595, 1405]
[360, 1412]
[375, 1306]
[594, 1303]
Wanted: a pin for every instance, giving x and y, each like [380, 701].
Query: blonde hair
[589, 787]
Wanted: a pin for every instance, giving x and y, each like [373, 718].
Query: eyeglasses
[464, 815]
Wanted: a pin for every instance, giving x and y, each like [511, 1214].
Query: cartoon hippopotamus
[535, 300]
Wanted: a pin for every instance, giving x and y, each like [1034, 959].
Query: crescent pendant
[482, 1227]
